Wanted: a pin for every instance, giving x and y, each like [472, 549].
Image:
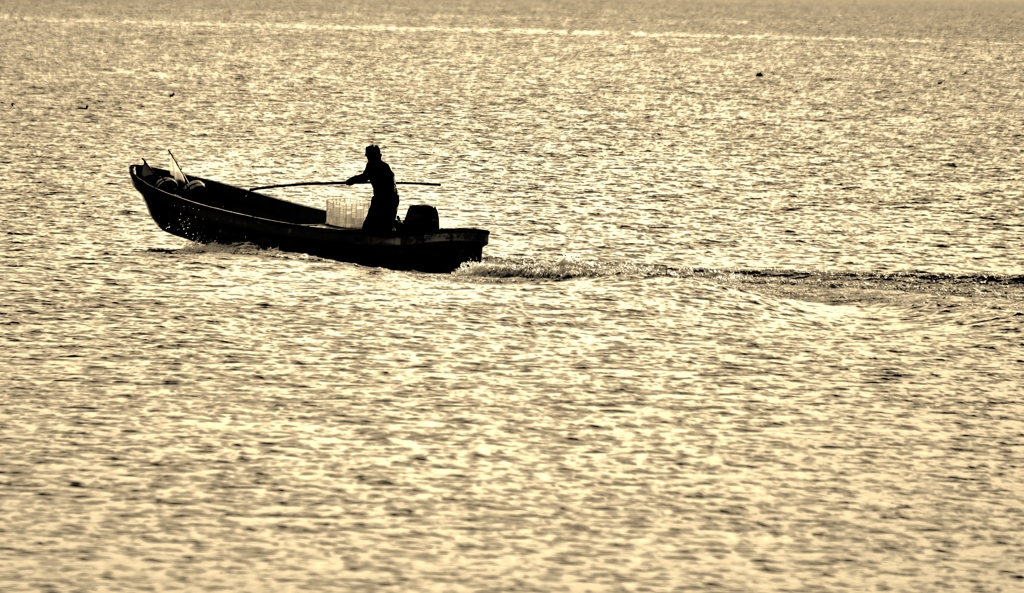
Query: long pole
[337, 183]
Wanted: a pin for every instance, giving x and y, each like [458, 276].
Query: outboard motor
[421, 219]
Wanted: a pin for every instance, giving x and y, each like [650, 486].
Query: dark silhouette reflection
[384, 205]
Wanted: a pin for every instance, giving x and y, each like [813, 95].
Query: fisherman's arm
[363, 177]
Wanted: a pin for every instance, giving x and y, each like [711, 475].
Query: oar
[338, 183]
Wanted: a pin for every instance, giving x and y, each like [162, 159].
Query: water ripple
[732, 332]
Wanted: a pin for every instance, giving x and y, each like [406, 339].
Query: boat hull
[224, 214]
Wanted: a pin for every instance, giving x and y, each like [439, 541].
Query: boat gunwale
[312, 226]
[132, 172]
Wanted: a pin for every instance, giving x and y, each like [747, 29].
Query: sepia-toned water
[731, 333]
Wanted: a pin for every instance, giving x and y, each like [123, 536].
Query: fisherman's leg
[381, 216]
[389, 207]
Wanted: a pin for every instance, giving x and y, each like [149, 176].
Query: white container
[347, 213]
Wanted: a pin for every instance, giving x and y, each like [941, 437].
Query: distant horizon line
[499, 30]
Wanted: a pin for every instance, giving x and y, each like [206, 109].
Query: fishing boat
[206, 211]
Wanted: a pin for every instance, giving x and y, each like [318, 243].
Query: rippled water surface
[732, 332]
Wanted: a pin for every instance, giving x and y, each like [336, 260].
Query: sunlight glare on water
[731, 332]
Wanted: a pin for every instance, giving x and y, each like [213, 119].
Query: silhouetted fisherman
[384, 205]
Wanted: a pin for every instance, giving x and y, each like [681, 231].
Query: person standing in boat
[384, 204]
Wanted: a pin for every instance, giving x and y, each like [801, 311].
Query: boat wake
[820, 285]
[566, 268]
[849, 287]
[230, 248]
